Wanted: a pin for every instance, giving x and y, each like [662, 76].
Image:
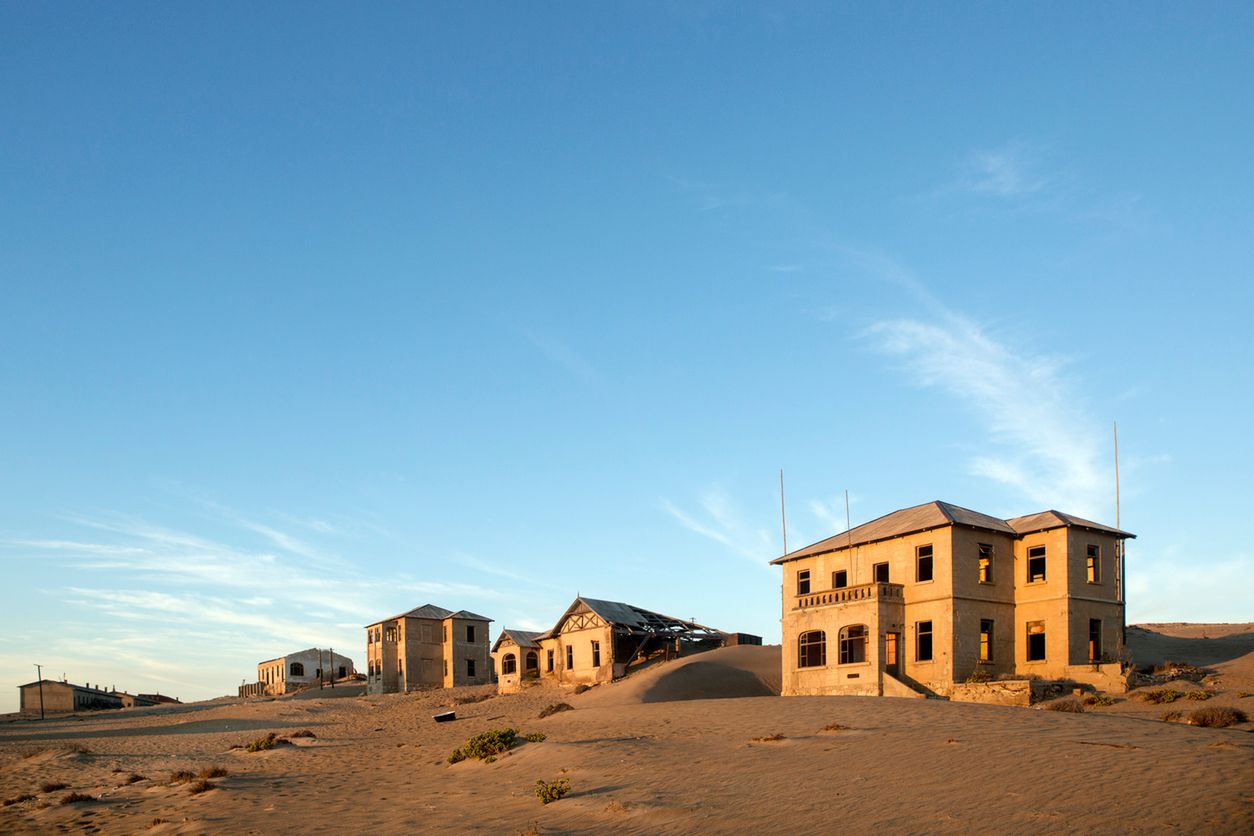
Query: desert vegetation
[548, 792]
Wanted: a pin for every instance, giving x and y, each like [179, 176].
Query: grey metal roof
[635, 619]
[522, 638]
[900, 523]
[425, 611]
[936, 515]
[467, 614]
[1057, 519]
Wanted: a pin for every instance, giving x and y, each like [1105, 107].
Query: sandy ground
[656, 753]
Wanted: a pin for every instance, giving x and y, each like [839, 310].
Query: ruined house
[295, 671]
[61, 697]
[920, 599]
[427, 647]
[596, 641]
[516, 656]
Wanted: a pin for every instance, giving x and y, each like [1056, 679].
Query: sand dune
[675, 749]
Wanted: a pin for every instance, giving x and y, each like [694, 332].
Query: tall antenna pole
[1120, 543]
[1115, 427]
[40, 671]
[783, 521]
[849, 538]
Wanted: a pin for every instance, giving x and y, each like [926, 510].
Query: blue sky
[311, 315]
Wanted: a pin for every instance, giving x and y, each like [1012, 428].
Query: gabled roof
[468, 615]
[900, 523]
[1056, 519]
[522, 638]
[435, 613]
[635, 619]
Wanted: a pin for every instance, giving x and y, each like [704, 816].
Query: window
[840, 579]
[343, 672]
[923, 564]
[1093, 564]
[548, 662]
[391, 634]
[509, 664]
[570, 656]
[1095, 638]
[596, 654]
[444, 633]
[533, 662]
[446, 667]
[986, 563]
[470, 667]
[812, 649]
[1036, 641]
[470, 633]
[803, 582]
[923, 641]
[986, 640]
[1036, 564]
[297, 669]
[852, 644]
[880, 572]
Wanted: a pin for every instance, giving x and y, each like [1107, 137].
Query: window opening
[923, 564]
[986, 563]
[1036, 641]
[840, 579]
[923, 641]
[880, 572]
[812, 649]
[1036, 564]
[803, 582]
[986, 640]
[853, 644]
[1093, 564]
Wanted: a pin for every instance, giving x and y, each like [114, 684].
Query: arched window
[853, 644]
[533, 662]
[812, 649]
[297, 669]
[509, 663]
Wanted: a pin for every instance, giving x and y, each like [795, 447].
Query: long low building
[57, 697]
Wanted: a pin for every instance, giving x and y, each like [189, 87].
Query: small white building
[299, 670]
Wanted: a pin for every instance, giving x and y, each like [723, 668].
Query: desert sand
[699, 745]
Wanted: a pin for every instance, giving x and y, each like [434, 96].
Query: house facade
[597, 641]
[922, 598]
[298, 670]
[516, 657]
[427, 647]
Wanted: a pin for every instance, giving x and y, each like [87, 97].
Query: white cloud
[1006, 172]
[723, 523]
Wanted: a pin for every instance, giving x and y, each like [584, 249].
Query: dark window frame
[812, 649]
[853, 640]
[986, 639]
[840, 579]
[803, 582]
[1037, 556]
[924, 564]
[984, 565]
[923, 650]
[875, 572]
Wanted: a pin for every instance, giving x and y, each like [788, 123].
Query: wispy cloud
[719, 520]
[564, 356]
[1011, 171]
[1046, 445]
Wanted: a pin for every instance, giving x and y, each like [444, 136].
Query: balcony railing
[850, 595]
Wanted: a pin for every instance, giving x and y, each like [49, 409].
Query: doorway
[892, 641]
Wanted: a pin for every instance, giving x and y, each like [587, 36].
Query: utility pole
[39, 671]
[332, 662]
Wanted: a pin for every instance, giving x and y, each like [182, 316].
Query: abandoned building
[597, 641]
[427, 647]
[918, 600]
[62, 697]
[296, 671]
[516, 655]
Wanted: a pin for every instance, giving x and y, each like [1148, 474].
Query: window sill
[853, 664]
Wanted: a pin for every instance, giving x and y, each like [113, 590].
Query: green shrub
[536, 737]
[1216, 716]
[261, 744]
[485, 745]
[979, 675]
[548, 793]
[1160, 695]
[1070, 705]
[1099, 699]
[1199, 695]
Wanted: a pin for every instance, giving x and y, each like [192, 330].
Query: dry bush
[1171, 716]
[263, 744]
[26, 796]
[556, 708]
[1216, 716]
[769, 739]
[134, 778]
[1070, 705]
[579, 689]
[548, 793]
[197, 787]
[157, 821]
[303, 733]
[76, 797]
[182, 776]
[833, 727]
[214, 771]
[52, 786]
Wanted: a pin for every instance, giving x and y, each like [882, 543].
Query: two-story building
[427, 647]
[296, 671]
[921, 598]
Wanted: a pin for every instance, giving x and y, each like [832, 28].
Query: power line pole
[332, 661]
[39, 671]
